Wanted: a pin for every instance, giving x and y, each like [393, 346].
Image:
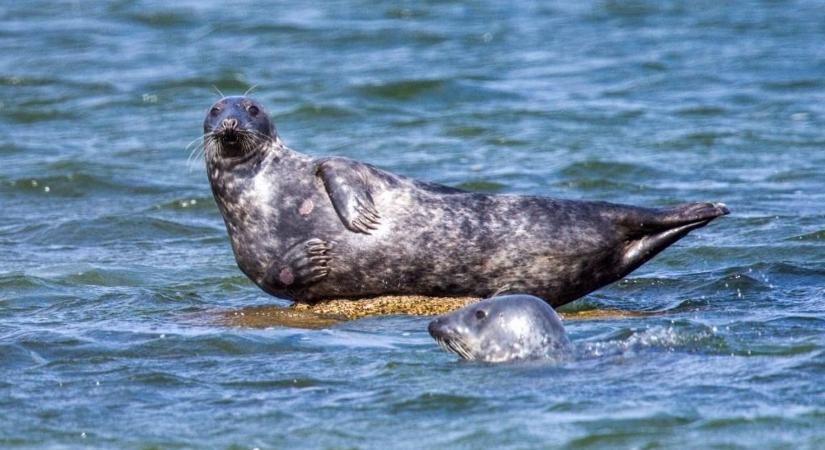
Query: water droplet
[46, 189]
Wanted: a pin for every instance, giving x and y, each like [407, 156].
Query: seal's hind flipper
[350, 193]
[303, 264]
[654, 230]
[688, 214]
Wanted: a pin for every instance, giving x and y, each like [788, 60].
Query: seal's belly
[440, 248]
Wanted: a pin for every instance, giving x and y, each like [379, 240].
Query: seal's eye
[214, 111]
[481, 314]
[253, 110]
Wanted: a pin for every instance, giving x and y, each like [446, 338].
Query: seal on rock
[505, 328]
[306, 228]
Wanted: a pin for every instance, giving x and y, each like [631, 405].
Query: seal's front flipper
[652, 231]
[348, 189]
[303, 264]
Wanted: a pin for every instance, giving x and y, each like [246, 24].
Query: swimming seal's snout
[436, 328]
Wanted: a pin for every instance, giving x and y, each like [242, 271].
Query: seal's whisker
[443, 344]
[249, 91]
[210, 146]
[218, 90]
[461, 347]
[198, 140]
[196, 154]
[197, 148]
[256, 134]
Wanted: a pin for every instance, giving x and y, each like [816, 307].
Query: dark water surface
[114, 257]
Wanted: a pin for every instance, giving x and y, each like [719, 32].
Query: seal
[500, 329]
[307, 229]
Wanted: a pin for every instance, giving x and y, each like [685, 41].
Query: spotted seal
[504, 328]
[306, 228]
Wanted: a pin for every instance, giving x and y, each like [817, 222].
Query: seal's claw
[317, 247]
[368, 215]
[305, 263]
[316, 276]
[356, 225]
[365, 224]
[320, 260]
[368, 210]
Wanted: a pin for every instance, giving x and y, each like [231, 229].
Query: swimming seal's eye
[253, 110]
[214, 111]
[480, 314]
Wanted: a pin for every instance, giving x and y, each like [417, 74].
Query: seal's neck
[229, 176]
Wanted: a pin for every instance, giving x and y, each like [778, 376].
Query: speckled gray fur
[308, 229]
[500, 329]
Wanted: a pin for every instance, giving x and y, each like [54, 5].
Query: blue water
[114, 261]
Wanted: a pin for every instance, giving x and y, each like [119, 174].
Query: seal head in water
[305, 228]
[505, 328]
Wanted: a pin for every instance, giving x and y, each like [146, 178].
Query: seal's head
[505, 328]
[235, 127]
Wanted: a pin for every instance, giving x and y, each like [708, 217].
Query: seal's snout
[436, 327]
[230, 130]
[230, 124]
[432, 328]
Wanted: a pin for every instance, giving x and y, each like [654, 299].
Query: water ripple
[115, 265]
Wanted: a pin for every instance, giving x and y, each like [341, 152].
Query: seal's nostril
[230, 123]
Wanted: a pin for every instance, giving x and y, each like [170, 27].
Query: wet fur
[385, 234]
[500, 329]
